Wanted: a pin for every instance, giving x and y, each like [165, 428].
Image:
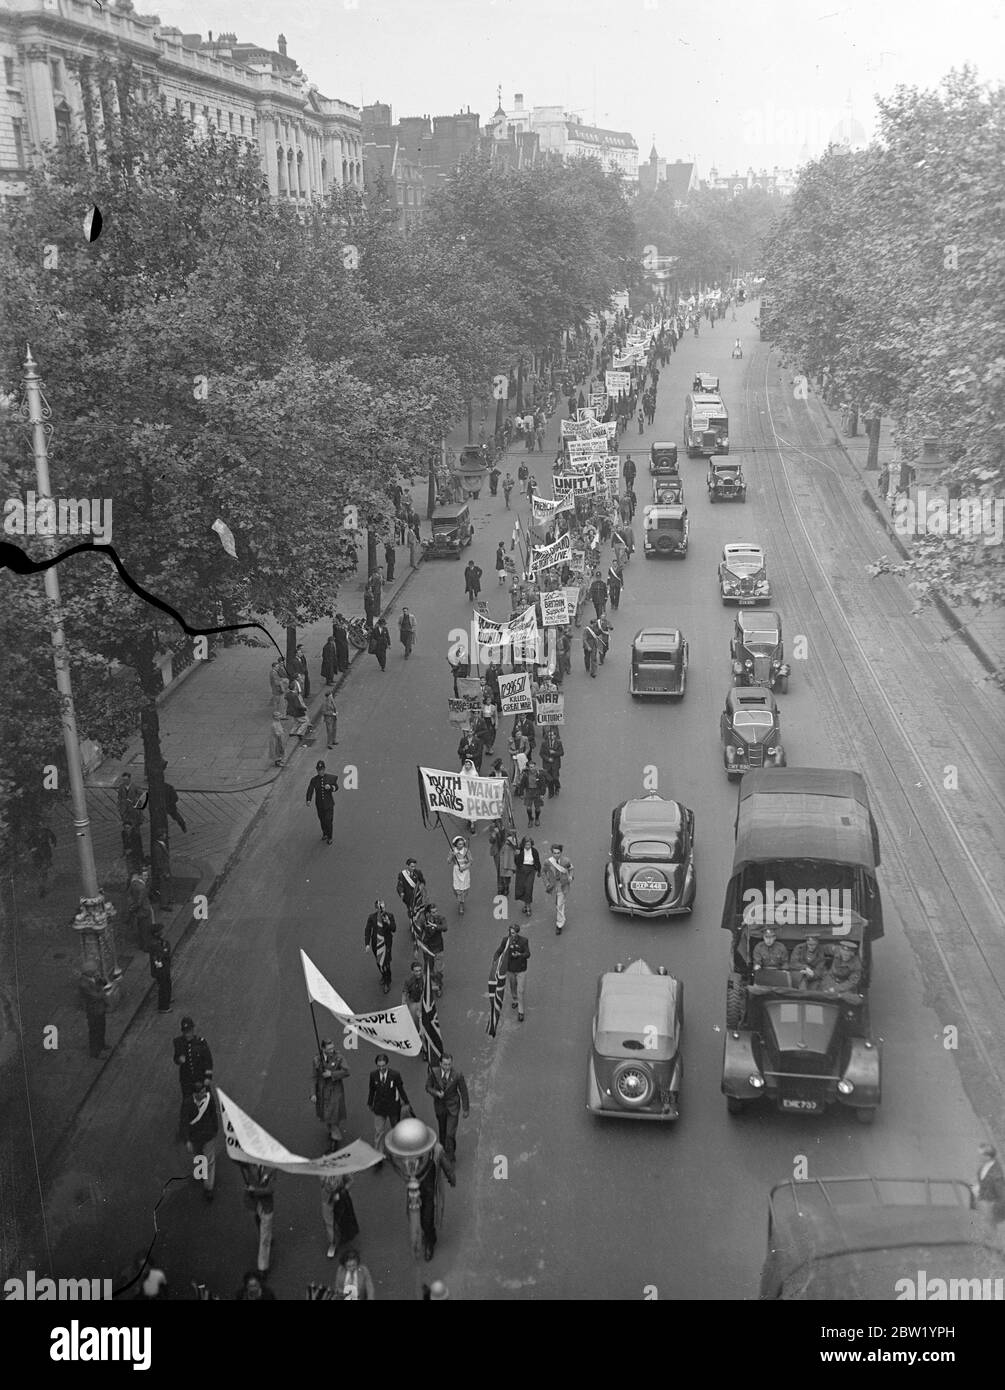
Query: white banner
[514, 694]
[545, 509]
[555, 608]
[571, 592]
[457, 794]
[248, 1142]
[550, 708]
[392, 1028]
[578, 562]
[489, 633]
[612, 468]
[558, 553]
[586, 412]
[617, 382]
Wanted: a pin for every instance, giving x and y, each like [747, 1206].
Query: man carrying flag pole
[497, 987]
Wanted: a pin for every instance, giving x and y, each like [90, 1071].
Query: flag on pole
[497, 987]
[429, 1023]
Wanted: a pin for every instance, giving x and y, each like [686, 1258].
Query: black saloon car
[651, 871]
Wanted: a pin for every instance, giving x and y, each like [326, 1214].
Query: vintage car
[663, 460]
[635, 1068]
[804, 864]
[705, 382]
[757, 651]
[799, 1042]
[658, 662]
[725, 481]
[664, 530]
[750, 731]
[651, 873]
[667, 491]
[855, 1238]
[452, 531]
[742, 576]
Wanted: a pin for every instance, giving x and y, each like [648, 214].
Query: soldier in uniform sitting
[845, 972]
[770, 952]
[808, 961]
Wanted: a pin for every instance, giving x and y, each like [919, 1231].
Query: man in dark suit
[387, 1096]
[379, 938]
[194, 1061]
[449, 1091]
[321, 789]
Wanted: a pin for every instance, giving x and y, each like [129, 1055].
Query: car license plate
[745, 600]
[800, 1105]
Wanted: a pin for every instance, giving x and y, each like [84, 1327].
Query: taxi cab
[658, 662]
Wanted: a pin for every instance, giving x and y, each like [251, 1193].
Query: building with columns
[59, 85]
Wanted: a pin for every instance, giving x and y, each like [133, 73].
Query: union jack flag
[497, 987]
[429, 1023]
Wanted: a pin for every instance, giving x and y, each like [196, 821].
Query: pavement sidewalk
[983, 630]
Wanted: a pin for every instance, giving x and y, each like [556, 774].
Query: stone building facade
[57, 56]
[562, 133]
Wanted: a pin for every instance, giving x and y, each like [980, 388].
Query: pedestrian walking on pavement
[296, 710]
[615, 583]
[389, 558]
[171, 803]
[472, 580]
[528, 868]
[341, 636]
[552, 753]
[407, 630]
[277, 741]
[598, 596]
[590, 650]
[94, 988]
[277, 685]
[201, 1125]
[385, 1099]
[260, 1198]
[329, 661]
[160, 969]
[378, 937]
[507, 488]
[379, 644]
[507, 862]
[449, 1091]
[531, 787]
[642, 422]
[517, 950]
[460, 861]
[377, 592]
[302, 673]
[193, 1059]
[558, 873]
[432, 1196]
[414, 546]
[321, 790]
[353, 1281]
[328, 1094]
[331, 718]
[338, 1212]
[139, 913]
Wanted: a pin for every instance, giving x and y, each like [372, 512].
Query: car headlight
[762, 586]
[845, 1087]
[775, 664]
[773, 752]
[756, 1081]
[749, 664]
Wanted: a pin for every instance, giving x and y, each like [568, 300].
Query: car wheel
[734, 1106]
[865, 1117]
[734, 1006]
[783, 684]
[632, 1085]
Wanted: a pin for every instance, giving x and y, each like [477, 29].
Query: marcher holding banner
[328, 1097]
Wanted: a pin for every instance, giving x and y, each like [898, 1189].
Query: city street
[550, 1203]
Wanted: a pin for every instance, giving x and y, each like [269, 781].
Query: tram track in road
[979, 995]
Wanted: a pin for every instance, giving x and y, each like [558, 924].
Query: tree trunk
[291, 650]
[872, 458]
[519, 386]
[153, 761]
[500, 414]
[372, 564]
[471, 420]
[431, 488]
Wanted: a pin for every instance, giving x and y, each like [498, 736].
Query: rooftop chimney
[518, 101]
[281, 44]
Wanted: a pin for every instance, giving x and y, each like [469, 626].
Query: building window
[191, 110]
[242, 125]
[64, 135]
[56, 67]
[177, 106]
[252, 127]
[230, 118]
[8, 71]
[280, 170]
[219, 118]
[324, 176]
[18, 142]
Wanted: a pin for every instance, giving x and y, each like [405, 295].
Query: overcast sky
[759, 83]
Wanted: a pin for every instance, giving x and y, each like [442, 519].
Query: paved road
[549, 1203]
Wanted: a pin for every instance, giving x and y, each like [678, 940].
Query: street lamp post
[410, 1146]
[94, 916]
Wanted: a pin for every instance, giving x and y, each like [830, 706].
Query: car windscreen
[760, 641]
[641, 851]
[754, 721]
[744, 560]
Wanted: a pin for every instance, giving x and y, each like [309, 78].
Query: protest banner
[571, 592]
[558, 553]
[617, 382]
[458, 794]
[514, 694]
[247, 1142]
[459, 712]
[555, 608]
[470, 687]
[612, 468]
[391, 1028]
[578, 562]
[550, 707]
